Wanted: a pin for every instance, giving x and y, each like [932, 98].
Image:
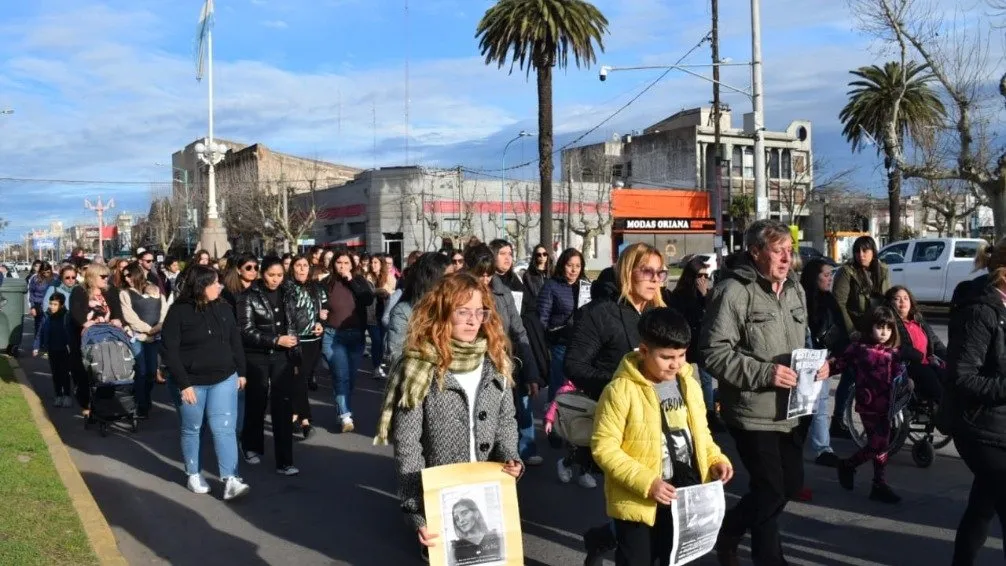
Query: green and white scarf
[413, 374]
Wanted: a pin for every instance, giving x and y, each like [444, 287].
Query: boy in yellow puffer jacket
[651, 436]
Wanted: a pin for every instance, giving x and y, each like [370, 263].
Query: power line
[622, 108]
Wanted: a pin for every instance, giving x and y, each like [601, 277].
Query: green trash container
[12, 302]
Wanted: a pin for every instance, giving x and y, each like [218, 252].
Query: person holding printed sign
[651, 437]
[449, 397]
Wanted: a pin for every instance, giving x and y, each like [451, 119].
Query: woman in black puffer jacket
[975, 401]
[311, 299]
[268, 317]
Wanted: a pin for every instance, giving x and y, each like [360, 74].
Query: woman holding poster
[449, 397]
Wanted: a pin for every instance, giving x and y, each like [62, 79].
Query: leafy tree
[540, 35]
[877, 95]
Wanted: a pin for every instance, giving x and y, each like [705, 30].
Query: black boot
[838, 428]
[883, 493]
[598, 541]
[312, 383]
[846, 475]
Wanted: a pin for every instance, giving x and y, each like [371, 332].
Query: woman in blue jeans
[826, 331]
[349, 295]
[201, 347]
[557, 303]
[143, 311]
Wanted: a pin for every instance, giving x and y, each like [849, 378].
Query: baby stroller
[108, 358]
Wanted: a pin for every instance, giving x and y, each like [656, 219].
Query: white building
[398, 210]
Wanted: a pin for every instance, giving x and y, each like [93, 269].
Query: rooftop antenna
[373, 115]
[408, 102]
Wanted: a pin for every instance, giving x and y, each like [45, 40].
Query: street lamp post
[522, 134]
[213, 237]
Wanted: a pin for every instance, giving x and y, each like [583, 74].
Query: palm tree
[540, 35]
[873, 101]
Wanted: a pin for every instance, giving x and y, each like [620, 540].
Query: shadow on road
[153, 519]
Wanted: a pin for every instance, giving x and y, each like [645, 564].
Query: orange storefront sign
[661, 210]
[659, 203]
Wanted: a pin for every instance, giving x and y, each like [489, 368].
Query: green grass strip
[38, 524]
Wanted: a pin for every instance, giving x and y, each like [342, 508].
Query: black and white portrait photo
[472, 525]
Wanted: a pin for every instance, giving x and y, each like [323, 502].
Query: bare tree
[959, 58]
[807, 184]
[589, 213]
[164, 220]
[258, 203]
[947, 203]
[522, 216]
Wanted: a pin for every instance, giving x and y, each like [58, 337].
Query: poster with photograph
[697, 514]
[803, 397]
[473, 507]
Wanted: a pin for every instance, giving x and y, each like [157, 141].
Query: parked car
[932, 267]
[808, 253]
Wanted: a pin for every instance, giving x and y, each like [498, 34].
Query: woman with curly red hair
[449, 396]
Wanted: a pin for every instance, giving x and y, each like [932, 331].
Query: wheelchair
[913, 420]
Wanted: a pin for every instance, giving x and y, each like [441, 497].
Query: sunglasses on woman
[651, 274]
[250, 267]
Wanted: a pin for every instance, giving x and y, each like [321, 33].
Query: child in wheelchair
[882, 389]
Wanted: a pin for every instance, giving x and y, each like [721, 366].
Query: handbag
[575, 420]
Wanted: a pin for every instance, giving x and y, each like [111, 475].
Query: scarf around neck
[414, 373]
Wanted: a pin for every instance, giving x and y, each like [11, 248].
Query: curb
[99, 533]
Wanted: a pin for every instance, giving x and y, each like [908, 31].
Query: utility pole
[758, 103]
[718, 161]
[286, 218]
[100, 208]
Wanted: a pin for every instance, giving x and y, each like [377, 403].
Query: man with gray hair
[756, 318]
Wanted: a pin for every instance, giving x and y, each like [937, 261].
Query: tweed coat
[437, 433]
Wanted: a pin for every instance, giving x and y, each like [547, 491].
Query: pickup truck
[931, 267]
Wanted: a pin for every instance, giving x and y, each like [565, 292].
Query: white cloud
[275, 24]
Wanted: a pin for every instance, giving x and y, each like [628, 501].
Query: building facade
[678, 153]
[247, 167]
[398, 210]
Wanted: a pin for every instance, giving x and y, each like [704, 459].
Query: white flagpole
[211, 213]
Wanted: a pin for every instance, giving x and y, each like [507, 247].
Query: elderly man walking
[756, 318]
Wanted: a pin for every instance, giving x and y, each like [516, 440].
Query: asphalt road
[342, 508]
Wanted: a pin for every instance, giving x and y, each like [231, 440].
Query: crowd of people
[468, 346]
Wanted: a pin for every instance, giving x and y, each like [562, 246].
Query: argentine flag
[205, 24]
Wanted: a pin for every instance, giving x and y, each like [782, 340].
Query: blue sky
[104, 90]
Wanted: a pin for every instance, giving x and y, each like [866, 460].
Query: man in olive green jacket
[756, 318]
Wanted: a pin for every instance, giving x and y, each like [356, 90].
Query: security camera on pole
[213, 237]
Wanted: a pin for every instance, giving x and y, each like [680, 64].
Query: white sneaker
[252, 457]
[234, 487]
[587, 481]
[287, 471]
[198, 485]
[564, 472]
[347, 424]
